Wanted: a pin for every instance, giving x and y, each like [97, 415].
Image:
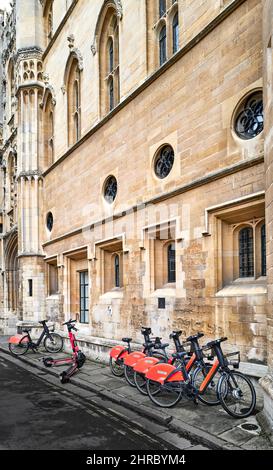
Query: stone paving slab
[207, 424]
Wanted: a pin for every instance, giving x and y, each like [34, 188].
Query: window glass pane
[117, 271]
[171, 263]
[263, 248]
[162, 7]
[111, 94]
[175, 34]
[246, 255]
[111, 55]
[84, 302]
[162, 46]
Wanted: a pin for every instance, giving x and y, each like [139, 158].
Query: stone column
[31, 258]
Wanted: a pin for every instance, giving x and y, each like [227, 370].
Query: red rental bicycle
[76, 361]
[142, 366]
[119, 353]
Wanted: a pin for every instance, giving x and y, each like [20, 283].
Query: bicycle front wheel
[129, 375]
[140, 382]
[237, 394]
[209, 397]
[117, 368]
[19, 349]
[53, 343]
[166, 395]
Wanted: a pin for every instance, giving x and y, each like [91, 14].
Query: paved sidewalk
[207, 425]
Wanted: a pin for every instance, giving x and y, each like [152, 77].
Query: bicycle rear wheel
[210, 395]
[166, 395]
[53, 343]
[237, 394]
[20, 348]
[117, 369]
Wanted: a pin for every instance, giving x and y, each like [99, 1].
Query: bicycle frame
[35, 345]
[17, 339]
[219, 362]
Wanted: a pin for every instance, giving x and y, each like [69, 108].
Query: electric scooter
[76, 361]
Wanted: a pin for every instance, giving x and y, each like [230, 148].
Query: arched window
[48, 132]
[246, 252]
[117, 271]
[109, 61]
[162, 8]
[171, 263]
[74, 102]
[11, 88]
[175, 33]
[48, 20]
[263, 250]
[163, 46]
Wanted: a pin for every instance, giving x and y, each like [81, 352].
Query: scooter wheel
[48, 361]
[63, 378]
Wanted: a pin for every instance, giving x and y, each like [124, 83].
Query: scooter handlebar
[69, 322]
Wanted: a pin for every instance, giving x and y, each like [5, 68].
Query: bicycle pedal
[195, 401]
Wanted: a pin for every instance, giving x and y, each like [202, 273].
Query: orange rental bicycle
[234, 390]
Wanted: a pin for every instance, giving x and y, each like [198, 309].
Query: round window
[49, 221]
[110, 189]
[249, 119]
[164, 162]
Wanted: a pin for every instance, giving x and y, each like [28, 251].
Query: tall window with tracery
[48, 132]
[74, 103]
[163, 46]
[109, 62]
[48, 20]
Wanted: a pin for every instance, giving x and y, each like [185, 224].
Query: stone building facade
[132, 169]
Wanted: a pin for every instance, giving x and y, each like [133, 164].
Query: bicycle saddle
[43, 322]
[175, 334]
[161, 345]
[146, 330]
[26, 330]
[193, 337]
[215, 342]
[179, 355]
[126, 340]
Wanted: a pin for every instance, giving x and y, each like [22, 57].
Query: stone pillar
[267, 381]
[30, 181]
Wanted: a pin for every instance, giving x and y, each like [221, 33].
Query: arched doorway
[12, 269]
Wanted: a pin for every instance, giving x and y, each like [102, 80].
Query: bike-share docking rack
[76, 361]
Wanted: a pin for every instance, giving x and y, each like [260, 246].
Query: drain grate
[251, 428]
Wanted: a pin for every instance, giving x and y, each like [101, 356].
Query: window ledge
[168, 290]
[237, 289]
[113, 294]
